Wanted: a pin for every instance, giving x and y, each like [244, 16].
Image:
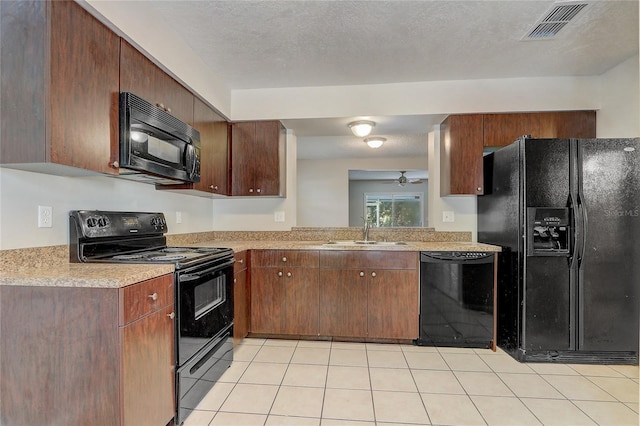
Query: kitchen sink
[364, 243]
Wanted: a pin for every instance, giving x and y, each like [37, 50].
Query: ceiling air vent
[554, 20]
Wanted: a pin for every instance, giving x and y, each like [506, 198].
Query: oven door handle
[193, 277]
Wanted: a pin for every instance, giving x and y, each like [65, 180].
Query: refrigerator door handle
[574, 243]
[582, 212]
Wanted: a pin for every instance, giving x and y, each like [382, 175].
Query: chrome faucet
[365, 230]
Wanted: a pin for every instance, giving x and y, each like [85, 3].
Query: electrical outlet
[447, 216]
[278, 216]
[45, 216]
[178, 217]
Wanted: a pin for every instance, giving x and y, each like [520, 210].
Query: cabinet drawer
[241, 259]
[143, 298]
[350, 259]
[290, 258]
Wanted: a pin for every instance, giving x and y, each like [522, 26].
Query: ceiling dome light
[375, 142]
[361, 128]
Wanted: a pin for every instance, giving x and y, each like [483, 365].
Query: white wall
[22, 192]
[323, 186]
[257, 213]
[436, 97]
[464, 207]
[619, 115]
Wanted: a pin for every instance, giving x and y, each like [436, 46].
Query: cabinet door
[392, 304]
[267, 300]
[461, 155]
[242, 155]
[301, 301]
[214, 169]
[343, 303]
[267, 158]
[503, 129]
[568, 124]
[148, 370]
[83, 100]
[145, 79]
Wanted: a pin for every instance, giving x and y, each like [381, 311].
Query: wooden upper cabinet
[461, 139]
[568, 124]
[59, 87]
[214, 150]
[258, 159]
[502, 129]
[139, 75]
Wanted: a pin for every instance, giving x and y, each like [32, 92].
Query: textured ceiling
[266, 44]
[274, 44]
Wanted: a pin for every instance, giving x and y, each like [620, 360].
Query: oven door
[204, 298]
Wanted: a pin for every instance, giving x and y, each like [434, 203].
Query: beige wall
[323, 186]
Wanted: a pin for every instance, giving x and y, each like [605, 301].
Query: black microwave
[156, 147]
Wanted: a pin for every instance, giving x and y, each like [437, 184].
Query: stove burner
[127, 257]
[175, 250]
[166, 258]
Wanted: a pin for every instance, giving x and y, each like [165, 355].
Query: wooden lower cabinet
[392, 304]
[343, 303]
[87, 356]
[284, 292]
[284, 301]
[369, 294]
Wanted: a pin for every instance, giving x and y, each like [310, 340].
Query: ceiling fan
[403, 180]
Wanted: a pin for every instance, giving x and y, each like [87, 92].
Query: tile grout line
[235, 384]
[416, 385]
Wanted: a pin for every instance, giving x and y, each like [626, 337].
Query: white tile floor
[290, 382]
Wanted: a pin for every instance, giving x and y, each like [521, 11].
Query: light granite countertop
[49, 266]
[94, 275]
[238, 246]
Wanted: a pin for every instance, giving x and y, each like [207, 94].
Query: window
[394, 210]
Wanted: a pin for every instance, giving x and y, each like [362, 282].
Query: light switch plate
[447, 216]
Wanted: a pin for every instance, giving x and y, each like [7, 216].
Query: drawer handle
[361, 274]
[154, 296]
[288, 274]
[279, 274]
[235, 280]
[284, 259]
[172, 315]
[241, 261]
[250, 189]
[373, 274]
[258, 190]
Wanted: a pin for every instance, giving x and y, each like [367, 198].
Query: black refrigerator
[567, 215]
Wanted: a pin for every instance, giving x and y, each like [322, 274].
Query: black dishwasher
[456, 299]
